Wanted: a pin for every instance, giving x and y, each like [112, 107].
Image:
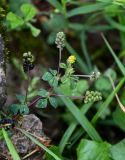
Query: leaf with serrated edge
[53, 102]
[29, 11]
[42, 103]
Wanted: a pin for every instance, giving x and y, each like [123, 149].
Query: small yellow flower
[71, 59]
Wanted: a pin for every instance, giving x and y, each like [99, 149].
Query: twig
[117, 98]
[30, 154]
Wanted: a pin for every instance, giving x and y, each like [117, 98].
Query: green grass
[10, 146]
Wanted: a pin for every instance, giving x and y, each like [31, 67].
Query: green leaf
[111, 72]
[91, 150]
[33, 139]
[55, 150]
[10, 146]
[103, 84]
[56, 21]
[53, 102]
[54, 72]
[63, 65]
[80, 88]
[42, 103]
[29, 11]
[47, 76]
[87, 9]
[118, 151]
[21, 98]
[35, 31]
[53, 82]
[14, 20]
[119, 118]
[15, 108]
[43, 93]
[15, 5]
[73, 83]
[65, 79]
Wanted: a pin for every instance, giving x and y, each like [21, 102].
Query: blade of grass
[33, 138]
[121, 19]
[120, 65]
[89, 28]
[115, 24]
[99, 28]
[56, 4]
[85, 51]
[81, 64]
[66, 136]
[76, 26]
[76, 136]
[105, 1]
[107, 101]
[87, 9]
[81, 119]
[69, 131]
[10, 146]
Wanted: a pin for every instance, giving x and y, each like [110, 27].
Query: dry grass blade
[116, 95]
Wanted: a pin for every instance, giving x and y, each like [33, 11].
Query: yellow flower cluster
[71, 59]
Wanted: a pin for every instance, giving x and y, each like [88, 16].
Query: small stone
[23, 144]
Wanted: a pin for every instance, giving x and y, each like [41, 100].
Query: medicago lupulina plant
[55, 78]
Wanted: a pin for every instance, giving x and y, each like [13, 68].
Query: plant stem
[86, 76]
[60, 56]
[34, 101]
[28, 80]
[54, 95]
[72, 97]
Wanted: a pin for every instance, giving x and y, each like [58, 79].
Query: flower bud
[71, 59]
[92, 96]
[95, 75]
[28, 61]
[60, 40]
